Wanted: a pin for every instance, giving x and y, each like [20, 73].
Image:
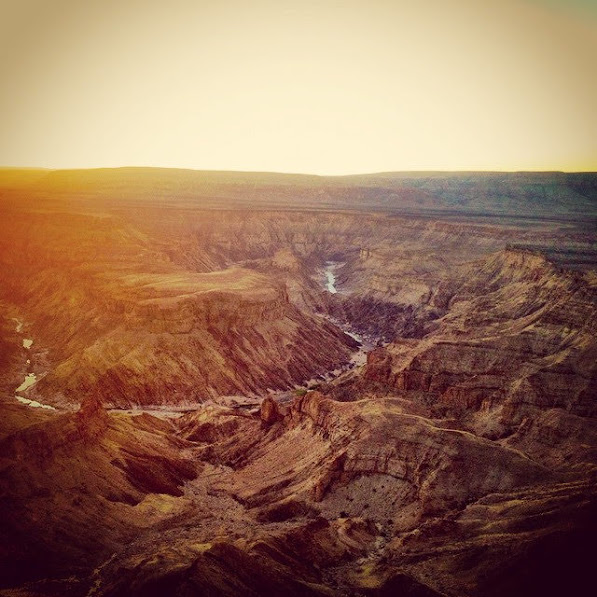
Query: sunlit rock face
[219, 421]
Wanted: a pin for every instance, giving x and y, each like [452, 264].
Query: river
[30, 378]
[359, 357]
[329, 271]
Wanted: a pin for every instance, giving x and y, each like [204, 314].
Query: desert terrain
[220, 383]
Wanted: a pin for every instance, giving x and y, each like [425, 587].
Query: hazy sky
[323, 86]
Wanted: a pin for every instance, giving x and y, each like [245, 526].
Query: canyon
[261, 384]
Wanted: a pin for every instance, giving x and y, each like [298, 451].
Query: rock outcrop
[269, 411]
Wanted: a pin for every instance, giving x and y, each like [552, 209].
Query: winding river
[30, 378]
[359, 357]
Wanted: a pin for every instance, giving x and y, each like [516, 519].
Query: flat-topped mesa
[186, 337]
[522, 263]
[546, 194]
[226, 300]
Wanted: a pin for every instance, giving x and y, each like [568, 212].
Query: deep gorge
[216, 429]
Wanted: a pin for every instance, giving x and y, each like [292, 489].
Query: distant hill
[518, 194]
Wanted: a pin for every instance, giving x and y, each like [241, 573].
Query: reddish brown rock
[269, 411]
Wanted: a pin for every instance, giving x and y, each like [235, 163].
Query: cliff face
[363, 448]
[517, 339]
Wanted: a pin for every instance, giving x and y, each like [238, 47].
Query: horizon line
[291, 173]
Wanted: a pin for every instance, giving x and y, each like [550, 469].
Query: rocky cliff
[517, 339]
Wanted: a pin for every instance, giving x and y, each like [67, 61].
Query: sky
[315, 86]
